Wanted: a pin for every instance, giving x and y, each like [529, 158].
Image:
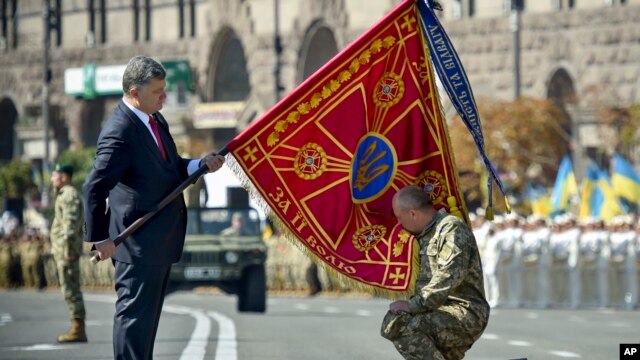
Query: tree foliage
[519, 136]
[16, 180]
[82, 161]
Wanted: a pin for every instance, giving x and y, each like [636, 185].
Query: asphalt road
[207, 326]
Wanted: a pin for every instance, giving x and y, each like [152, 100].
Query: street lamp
[278, 48]
[49, 22]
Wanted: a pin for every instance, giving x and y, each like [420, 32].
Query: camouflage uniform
[30, 251]
[6, 255]
[66, 240]
[449, 311]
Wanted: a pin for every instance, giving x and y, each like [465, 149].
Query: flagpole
[164, 202]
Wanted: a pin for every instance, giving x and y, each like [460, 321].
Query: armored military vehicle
[224, 248]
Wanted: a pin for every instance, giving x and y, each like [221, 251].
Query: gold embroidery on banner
[422, 70]
[311, 161]
[398, 275]
[434, 183]
[331, 87]
[389, 90]
[250, 154]
[398, 248]
[408, 22]
[366, 238]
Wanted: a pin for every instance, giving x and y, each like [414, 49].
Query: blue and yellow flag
[539, 199]
[625, 179]
[598, 197]
[565, 186]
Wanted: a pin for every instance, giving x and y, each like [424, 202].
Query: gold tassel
[453, 207]
[489, 213]
[507, 205]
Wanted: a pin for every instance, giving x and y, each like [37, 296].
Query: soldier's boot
[75, 334]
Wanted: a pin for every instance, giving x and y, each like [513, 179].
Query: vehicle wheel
[252, 291]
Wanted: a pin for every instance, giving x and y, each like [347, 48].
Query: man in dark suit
[136, 166]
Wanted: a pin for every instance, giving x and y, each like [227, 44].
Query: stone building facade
[569, 50]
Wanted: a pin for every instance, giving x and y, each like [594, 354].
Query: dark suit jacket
[129, 170]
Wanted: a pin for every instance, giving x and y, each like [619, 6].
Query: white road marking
[227, 347]
[5, 318]
[363, 313]
[532, 315]
[196, 349]
[41, 347]
[619, 325]
[519, 343]
[566, 354]
[301, 306]
[331, 310]
[488, 336]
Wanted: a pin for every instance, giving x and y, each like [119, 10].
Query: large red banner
[328, 158]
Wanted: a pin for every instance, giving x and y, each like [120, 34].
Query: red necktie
[154, 128]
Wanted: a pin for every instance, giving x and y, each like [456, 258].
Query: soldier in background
[480, 227]
[592, 261]
[535, 262]
[563, 246]
[636, 265]
[30, 259]
[622, 283]
[6, 253]
[490, 260]
[509, 270]
[66, 247]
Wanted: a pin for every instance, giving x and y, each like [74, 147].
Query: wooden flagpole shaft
[168, 199]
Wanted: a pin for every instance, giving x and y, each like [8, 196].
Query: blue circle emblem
[373, 168]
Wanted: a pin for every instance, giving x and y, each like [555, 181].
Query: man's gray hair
[413, 197]
[140, 71]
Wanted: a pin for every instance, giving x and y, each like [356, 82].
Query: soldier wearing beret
[66, 244]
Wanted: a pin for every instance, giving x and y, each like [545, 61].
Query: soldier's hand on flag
[213, 161]
[399, 306]
[105, 248]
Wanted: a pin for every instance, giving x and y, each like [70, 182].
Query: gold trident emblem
[366, 174]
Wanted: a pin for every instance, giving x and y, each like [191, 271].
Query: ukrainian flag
[539, 200]
[598, 197]
[625, 180]
[565, 186]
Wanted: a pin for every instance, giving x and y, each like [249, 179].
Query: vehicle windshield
[223, 221]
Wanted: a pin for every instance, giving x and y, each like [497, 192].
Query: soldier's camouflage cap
[65, 168]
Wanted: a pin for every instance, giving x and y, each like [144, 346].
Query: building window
[147, 20]
[192, 15]
[103, 21]
[56, 21]
[136, 20]
[4, 26]
[13, 12]
[91, 35]
[181, 19]
[472, 8]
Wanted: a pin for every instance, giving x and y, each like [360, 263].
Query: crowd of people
[22, 251]
[559, 262]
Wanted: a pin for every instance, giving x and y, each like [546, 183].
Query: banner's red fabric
[329, 157]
